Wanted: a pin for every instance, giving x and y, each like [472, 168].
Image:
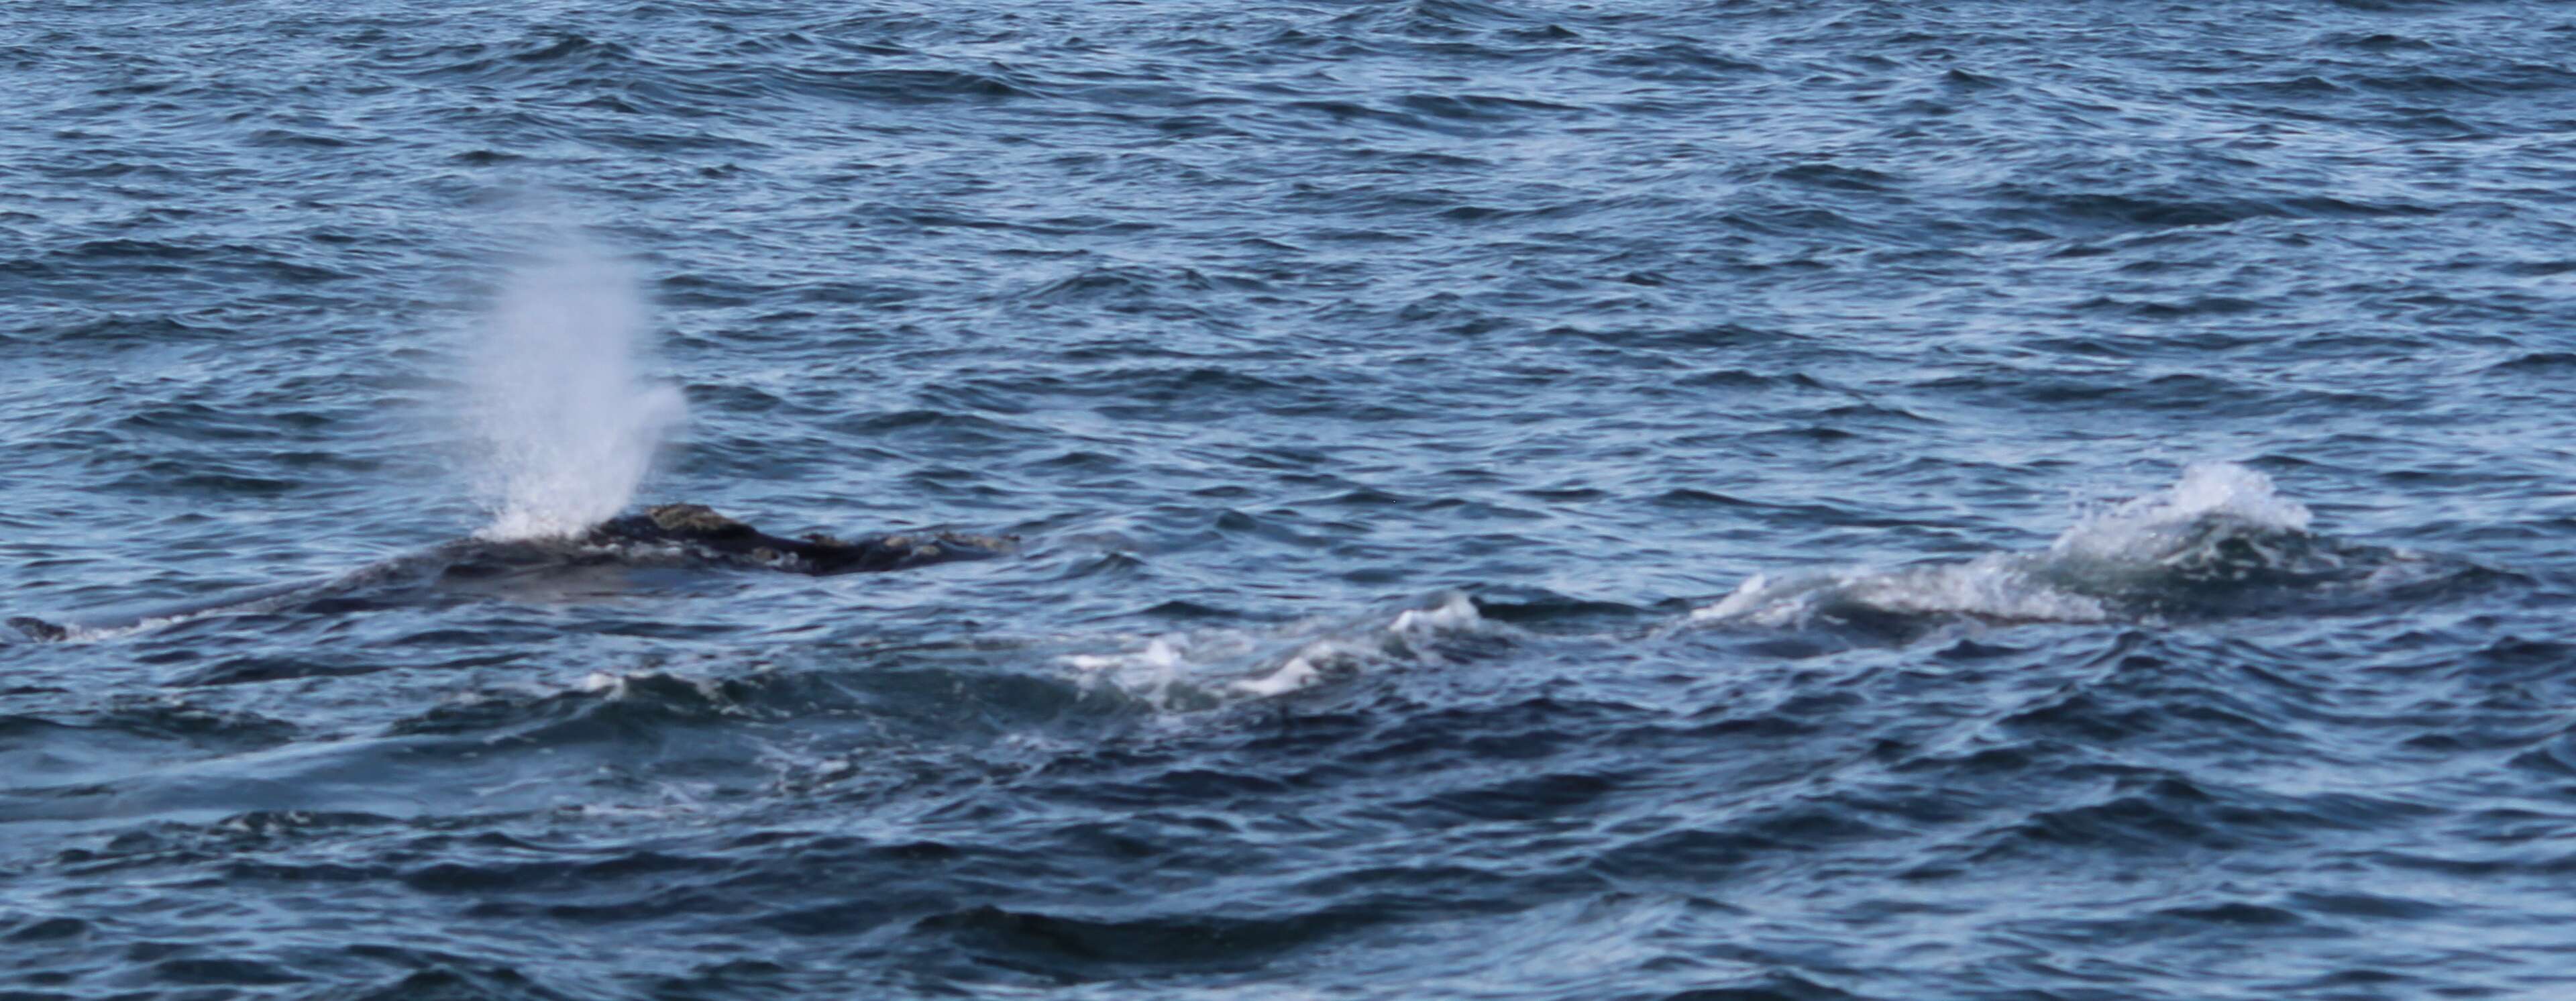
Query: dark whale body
[698, 527]
[39, 629]
[693, 531]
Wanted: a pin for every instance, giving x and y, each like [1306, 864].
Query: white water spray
[2129, 538]
[567, 422]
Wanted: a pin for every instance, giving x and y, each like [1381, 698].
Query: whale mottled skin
[700, 527]
[694, 530]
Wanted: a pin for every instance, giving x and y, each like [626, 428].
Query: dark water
[1517, 500]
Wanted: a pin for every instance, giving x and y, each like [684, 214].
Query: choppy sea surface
[1672, 500]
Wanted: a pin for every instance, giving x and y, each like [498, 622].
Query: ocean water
[1673, 500]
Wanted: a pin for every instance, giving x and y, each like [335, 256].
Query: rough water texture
[1517, 500]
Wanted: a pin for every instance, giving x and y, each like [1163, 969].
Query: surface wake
[1204, 669]
[2221, 540]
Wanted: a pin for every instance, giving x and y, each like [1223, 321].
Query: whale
[657, 535]
[699, 527]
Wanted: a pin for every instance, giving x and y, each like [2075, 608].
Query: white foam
[1150, 673]
[1181, 670]
[568, 424]
[1454, 614]
[1756, 602]
[2026, 587]
[1992, 587]
[1998, 587]
[1298, 672]
[1402, 638]
[2143, 527]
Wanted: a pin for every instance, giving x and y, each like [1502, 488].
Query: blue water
[1703, 500]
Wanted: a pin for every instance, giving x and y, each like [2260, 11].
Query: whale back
[701, 527]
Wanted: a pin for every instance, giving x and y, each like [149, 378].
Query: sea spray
[567, 424]
[2145, 528]
[2132, 559]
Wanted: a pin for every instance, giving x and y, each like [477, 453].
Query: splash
[1202, 670]
[567, 422]
[2220, 540]
[2149, 527]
